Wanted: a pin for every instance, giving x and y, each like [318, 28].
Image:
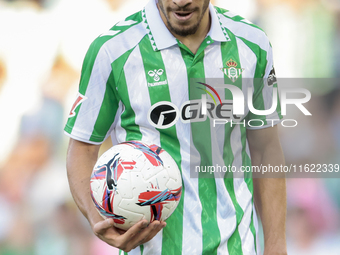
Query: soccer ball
[134, 181]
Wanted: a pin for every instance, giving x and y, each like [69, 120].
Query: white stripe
[154, 246]
[226, 216]
[248, 62]
[135, 251]
[139, 92]
[178, 86]
[118, 135]
[101, 70]
[247, 149]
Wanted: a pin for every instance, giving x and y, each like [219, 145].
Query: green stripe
[258, 101]
[261, 56]
[89, 61]
[137, 17]
[278, 108]
[248, 178]
[201, 139]
[87, 67]
[128, 117]
[172, 234]
[107, 112]
[236, 18]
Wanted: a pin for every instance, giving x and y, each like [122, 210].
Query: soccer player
[137, 79]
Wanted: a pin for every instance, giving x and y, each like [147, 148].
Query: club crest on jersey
[231, 71]
[156, 75]
[80, 99]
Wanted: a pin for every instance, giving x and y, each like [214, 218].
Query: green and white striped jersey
[139, 64]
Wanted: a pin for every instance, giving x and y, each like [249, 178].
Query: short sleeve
[264, 95]
[93, 112]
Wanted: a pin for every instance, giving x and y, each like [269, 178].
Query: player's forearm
[270, 201]
[81, 158]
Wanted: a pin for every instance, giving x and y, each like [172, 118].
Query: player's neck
[194, 41]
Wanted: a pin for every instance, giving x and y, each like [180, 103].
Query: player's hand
[138, 234]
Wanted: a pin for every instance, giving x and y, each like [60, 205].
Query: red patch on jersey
[78, 101]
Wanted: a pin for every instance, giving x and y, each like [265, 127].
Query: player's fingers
[120, 231]
[126, 241]
[135, 229]
[101, 226]
[147, 234]
[116, 237]
[136, 235]
[154, 232]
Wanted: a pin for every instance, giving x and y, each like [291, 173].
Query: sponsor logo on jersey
[80, 99]
[163, 115]
[156, 75]
[232, 71]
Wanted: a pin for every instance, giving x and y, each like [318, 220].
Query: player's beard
[183, 30]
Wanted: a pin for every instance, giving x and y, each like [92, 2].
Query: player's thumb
[100, 227]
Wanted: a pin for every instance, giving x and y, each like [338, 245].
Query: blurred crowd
[42, 46]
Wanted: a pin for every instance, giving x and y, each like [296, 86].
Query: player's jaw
[183, 17]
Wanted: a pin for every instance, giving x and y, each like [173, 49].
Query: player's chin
[184, 30]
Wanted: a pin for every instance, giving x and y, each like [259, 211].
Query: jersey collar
[160, 36]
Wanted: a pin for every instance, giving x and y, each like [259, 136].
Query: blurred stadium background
[42, 45]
